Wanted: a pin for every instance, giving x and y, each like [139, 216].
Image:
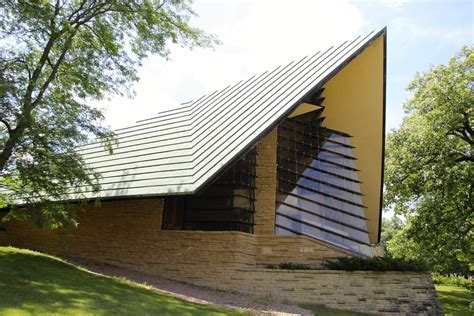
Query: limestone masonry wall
[128, 234]
[266, 185]
[295, 249]
[381, 293]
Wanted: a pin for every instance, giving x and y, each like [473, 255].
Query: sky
[259, 35]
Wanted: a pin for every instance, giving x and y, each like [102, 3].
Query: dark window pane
[173, 213]
[2, 224]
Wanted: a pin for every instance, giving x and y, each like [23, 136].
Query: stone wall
[381, 293]
[266, 185]
[295, 249]
[128, 234]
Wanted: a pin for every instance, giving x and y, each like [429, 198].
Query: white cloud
[255, 35]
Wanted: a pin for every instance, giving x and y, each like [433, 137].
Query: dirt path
[197, 294]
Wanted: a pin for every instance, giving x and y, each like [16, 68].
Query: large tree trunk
[10, 145]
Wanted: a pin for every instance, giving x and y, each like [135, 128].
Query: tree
[56, 57]
[390, 227]
[429, 166]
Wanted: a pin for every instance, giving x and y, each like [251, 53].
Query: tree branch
[103, 45]
[53, 72]
[7, 125]
[465, 158]
[55, 14]
[78, 23]
[463, 134]
[467, 124]
[69, 18]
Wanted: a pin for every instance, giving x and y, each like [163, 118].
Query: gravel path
[197, 294]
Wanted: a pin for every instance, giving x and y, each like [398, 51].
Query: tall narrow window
[3, 213]
[173, 216]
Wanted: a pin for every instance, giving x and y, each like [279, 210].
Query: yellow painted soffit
[304, 108]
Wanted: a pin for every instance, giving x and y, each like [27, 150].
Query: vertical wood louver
[318, 190]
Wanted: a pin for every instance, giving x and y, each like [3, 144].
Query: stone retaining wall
[381, 293]
[296, 249]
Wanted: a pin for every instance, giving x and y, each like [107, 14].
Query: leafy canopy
[55, 57]
[429, 166]
[390, 227]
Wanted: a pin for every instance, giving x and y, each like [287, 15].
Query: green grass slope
[455, 300]
[325, 311]
[35, 284]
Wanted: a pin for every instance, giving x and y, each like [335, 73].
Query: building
[286, 166]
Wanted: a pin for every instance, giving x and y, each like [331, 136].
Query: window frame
[3, 213]
[231, 196]
[174, 225]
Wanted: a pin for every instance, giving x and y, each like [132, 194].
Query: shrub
[289, 266]
[457, 281]
[374, 264]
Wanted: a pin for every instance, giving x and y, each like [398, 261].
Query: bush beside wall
[374, 264]
[456, 281]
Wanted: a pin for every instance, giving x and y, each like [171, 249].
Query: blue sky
[258, 35]
[420, 34]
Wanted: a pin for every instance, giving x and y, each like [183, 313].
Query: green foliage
[37, 284]
[390, 227]
[289, 266]
[453, 280]
[56, 57]
[374, 264]
[358, 264]
[429, 168]
[403, 245]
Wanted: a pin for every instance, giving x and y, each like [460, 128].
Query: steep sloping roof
[181, 149]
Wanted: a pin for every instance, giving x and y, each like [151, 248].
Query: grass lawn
[324, 311]
[33, 283]
[455, 300]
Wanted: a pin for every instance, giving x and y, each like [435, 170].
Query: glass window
[318, 190]
[227, 204]
[3, 226]
[173, 214]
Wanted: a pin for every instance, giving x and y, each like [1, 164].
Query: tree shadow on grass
[455, 300]
[37, 284]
